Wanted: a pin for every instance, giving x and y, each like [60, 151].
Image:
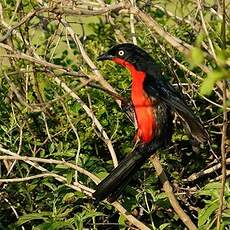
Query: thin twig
[106, 139]
[132, 27]
[19, 147]
[14, 210]
[205, 28]
[14, 156]
[79, 187]
[98, 76]
[77, 136]
[129, 216]
[93, 11]
[28, 178]
[152, 24]
[46, 126]
[220, 177]
[68, 90]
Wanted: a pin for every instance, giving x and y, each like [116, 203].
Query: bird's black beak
[105, 56]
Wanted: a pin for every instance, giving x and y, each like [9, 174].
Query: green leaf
[69, 197]
[91, 214]
[33, 216]
[163, 226]
[102, 175]
[49, 184]
[205, 213]
[208, 84]
[121, 221]
[69, 177]
[211, 189]
[51, 148]
[196, 56]
[200, 38]
[55, 225]
[64, 213]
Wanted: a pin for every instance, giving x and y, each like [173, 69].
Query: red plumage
[143, 105]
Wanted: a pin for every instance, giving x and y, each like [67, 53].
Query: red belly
[145, 117]
[144, 108]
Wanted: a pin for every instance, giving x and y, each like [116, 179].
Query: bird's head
[128, 55]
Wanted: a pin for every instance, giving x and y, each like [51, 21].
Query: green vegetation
[55, 105]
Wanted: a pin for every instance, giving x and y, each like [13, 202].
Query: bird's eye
[121, 52]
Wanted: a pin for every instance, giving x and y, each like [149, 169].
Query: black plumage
[165, 100]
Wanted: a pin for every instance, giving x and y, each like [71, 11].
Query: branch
[93, 11]
[68, 90]
[221, 178]
[169, 192]
[225, 126]
[187, 21]
[98, 76]
[205, 29]
[129, 216]
[212, 169]
[24, 19]
[153, 25]
[79, 187]
[28, 178]
[19, 55]
[14, 156]
[77, 137]
[132, 26]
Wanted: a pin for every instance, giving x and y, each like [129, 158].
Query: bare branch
[169, 191]
[212, 169]
[224, 128]
[152, 24]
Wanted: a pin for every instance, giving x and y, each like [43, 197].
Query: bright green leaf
[69, 197]
[122, 223]
[163, 226]
[197, 56]
[206, 212]
[208, 84]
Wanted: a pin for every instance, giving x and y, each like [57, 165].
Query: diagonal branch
[152, 24]
[169, 192]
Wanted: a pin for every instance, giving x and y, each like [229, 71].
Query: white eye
[121, 52]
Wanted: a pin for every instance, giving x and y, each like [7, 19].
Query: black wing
[175, 100]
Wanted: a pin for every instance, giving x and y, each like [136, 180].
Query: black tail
[116, 181]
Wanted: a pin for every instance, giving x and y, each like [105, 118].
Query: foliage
[39, 118]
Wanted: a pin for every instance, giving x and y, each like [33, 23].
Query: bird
[154, 101]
